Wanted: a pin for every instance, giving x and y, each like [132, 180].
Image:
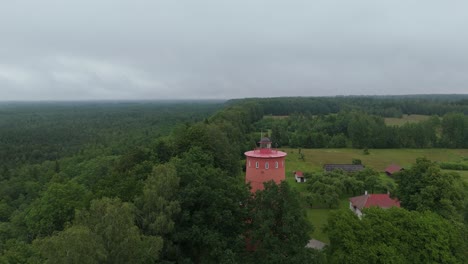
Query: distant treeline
[361, 130]
[36, 132]
[337, 122]
[385, 106]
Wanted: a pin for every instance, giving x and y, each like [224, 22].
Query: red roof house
[390, 170]
[356, 204]
[299, 176]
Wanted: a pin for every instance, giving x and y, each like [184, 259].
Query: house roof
[392, 169]
[379, 200]
[299, 174]
[316, 244]
[345, 167]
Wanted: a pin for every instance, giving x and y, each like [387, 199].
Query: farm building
[356, 204]
[344, 167]
[392, 169]
[299, 176]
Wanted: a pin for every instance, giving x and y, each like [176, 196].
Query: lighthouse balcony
[265, 150]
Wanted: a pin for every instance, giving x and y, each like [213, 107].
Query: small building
[343, 167]
[392, 169]
[356, 204]
[299, 176]
[315, 244]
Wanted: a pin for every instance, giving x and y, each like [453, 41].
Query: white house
[299, 176]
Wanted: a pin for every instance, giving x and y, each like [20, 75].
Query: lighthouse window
[276, 164]
[256, 164]
[267, 165]
[249, 163]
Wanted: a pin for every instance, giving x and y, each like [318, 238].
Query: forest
[163, 182]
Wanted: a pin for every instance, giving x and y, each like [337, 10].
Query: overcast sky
[97, 49]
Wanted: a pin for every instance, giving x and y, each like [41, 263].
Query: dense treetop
[150, 182]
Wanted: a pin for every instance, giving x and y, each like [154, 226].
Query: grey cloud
[228, 49]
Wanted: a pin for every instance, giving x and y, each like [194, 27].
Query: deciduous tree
[278, 228]
[394, 235]
[425, 187]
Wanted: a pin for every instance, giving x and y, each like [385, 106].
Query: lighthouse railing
[266, 150]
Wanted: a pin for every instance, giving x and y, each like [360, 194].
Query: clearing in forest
[377, 159]
[393, 121]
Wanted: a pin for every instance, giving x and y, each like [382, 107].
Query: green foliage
[338, 141]
[211, 139]
[325, 190]
[371, 180]
[195, 208]
[426, 187]
[454, 165]
[106, 233]
[76, 244]
[455, 130]
[113, 222]
[163, 149]
[5, 210]
[362, 129]
[386, 106]
[394, 236]
[16, 251]
[159, 204]
[278, 228]
[35, 132]
[211, 224]
[55, 207]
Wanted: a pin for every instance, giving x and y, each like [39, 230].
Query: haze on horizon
[114, 49]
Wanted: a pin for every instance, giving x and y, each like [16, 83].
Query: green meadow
[392, 121]
[378, 159]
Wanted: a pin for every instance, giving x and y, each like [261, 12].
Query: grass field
[391, 121]
[319, 217]
[275, 116]
[378, 159]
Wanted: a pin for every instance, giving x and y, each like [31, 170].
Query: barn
[392, 169]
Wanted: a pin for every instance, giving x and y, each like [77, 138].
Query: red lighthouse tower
[264, 164]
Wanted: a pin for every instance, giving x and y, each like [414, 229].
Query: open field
[378, 159]
[275, 116]
[392, 121]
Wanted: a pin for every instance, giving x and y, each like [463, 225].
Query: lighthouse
[264, 164]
